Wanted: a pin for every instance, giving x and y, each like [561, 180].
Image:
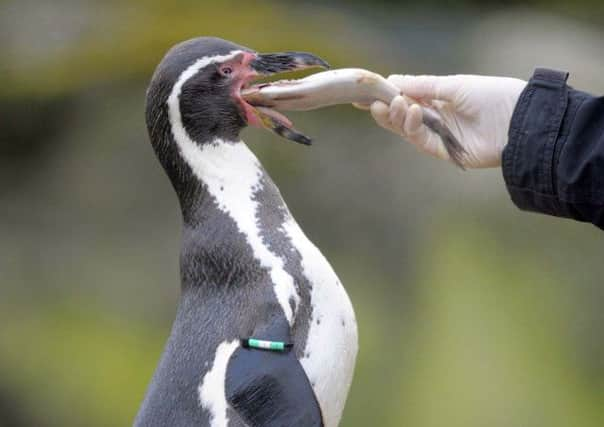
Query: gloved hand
[477, 109]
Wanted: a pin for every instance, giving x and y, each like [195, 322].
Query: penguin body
[247, 269]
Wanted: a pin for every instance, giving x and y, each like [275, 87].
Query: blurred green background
[470, 312]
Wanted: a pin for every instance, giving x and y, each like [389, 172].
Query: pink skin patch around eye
[243, 74]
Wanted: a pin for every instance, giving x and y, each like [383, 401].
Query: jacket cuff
[529, 158]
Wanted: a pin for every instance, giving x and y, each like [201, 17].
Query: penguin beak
[272, 63]
[269, 64]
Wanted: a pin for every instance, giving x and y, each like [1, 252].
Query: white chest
[332, 344]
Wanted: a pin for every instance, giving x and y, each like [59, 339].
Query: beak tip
[310, 60]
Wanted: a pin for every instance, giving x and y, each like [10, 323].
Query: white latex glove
[477, 109]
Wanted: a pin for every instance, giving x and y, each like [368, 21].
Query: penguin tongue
[278, 123]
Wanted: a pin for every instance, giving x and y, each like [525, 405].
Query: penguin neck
[240, 214]
[218, 163]
[225, 174]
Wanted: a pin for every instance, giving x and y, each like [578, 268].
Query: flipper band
[265, 345]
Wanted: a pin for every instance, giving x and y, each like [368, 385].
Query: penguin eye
[226, 71]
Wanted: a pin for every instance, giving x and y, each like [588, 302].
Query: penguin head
[198, 84]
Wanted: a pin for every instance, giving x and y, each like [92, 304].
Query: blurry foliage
[128, 39]
[590, 10]
[100, 364]
[492, 348]
[470, 313]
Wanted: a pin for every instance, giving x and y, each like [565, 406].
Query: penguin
[265, 333]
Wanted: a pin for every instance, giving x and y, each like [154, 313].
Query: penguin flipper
[270, 389]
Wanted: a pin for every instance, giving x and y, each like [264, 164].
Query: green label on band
[266, 345]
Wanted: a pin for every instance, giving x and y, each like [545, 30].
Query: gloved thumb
[442, 88]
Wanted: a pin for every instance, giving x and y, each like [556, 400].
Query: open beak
[269, 64]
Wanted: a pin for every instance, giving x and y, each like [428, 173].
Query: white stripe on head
[212, 389]
[194, 69]
[232, 175]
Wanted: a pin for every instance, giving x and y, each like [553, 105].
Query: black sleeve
[554, 160]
